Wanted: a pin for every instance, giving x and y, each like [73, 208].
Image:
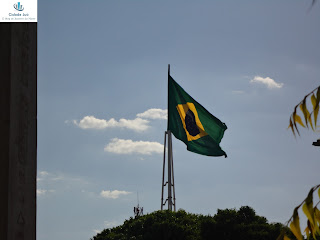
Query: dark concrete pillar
[18, 130]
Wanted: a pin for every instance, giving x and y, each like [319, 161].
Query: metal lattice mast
[170, 182]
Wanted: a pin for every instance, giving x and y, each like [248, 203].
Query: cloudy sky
[102, 100]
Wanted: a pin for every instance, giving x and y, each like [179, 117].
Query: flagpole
[169, 155]
[170, 182]
[168, 97]
[169, 171]
[163, 169]
[173, 185]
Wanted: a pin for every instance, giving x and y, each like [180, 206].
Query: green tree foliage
[228, 224]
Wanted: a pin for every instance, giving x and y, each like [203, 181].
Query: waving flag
[193, 124]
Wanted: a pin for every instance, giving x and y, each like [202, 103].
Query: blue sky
[102, 65]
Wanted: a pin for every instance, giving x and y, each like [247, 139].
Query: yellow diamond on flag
[191, 122]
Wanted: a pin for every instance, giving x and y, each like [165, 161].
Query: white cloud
[41, 192]
[107, 224]
[122, 146]
[46, 176]
[57, 182]
[113, 194]
[137, 124]
[43, 173]
[154, 113]
[269, 82]
[111, 224]
[57, 178]
[95, 123]
[90, 122]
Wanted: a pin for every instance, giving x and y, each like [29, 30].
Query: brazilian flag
[193, 124]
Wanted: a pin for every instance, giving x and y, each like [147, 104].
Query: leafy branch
[309, 209]
[307, 121]
[313, 215]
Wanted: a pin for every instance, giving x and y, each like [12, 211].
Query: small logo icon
[18, 6]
